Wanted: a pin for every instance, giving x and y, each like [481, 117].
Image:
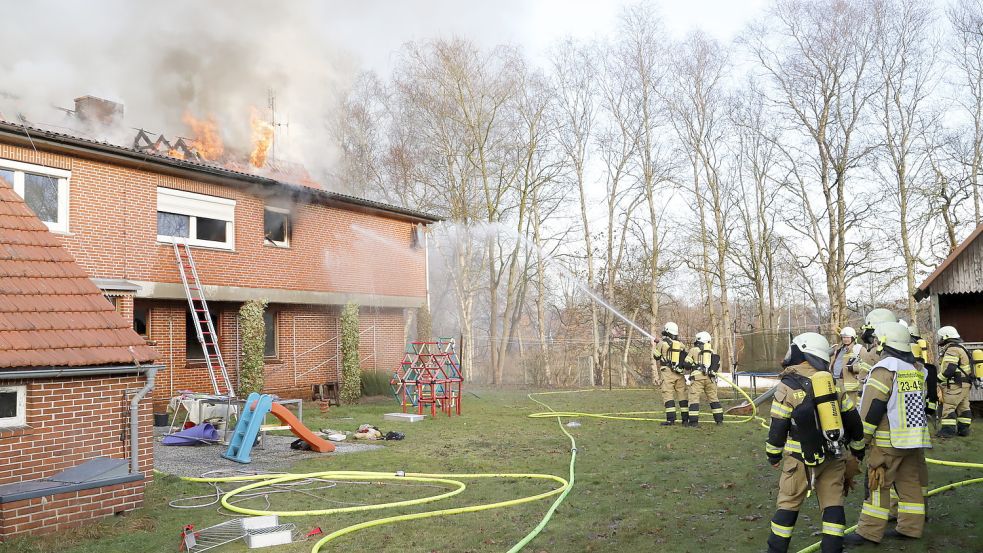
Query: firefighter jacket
[703, 362]
[844, 365]
[670, 354]
[795, 426]
[893, 406]
[954, 367]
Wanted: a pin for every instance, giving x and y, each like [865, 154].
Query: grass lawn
[640, 487]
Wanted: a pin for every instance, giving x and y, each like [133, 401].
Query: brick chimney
[92, 110]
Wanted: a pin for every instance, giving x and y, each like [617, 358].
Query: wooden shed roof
[960, 273]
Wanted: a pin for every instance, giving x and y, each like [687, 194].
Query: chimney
[98, 111]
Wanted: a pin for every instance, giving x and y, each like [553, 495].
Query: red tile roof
[51, 314]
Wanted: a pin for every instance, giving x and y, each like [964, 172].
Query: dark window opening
[173, 224]
[276, 226]
[269, 322]
[41, 195]
[192, 345]
[210, 229]
[8, 405]
[141, 319]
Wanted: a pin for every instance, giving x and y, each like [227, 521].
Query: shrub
[424, 325]
[351, 372]
[252, 332]
[376, 383]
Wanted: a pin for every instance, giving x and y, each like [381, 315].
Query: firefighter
[703, 364]
[920, 350]
[892, 407]
[957, 379]
[844, 362]
[810, 422]
[869, 355]
[669, 356]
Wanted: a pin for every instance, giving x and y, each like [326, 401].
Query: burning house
[307, 251]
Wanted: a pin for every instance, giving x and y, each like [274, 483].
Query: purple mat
[201, 434]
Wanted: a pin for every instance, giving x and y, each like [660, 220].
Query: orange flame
[205, 133]
[174, 152]
[262, 138]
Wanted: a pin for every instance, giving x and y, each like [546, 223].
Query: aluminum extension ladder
[203, 319]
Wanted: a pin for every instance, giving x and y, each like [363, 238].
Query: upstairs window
[44, 189]
[13, 406]
[196, 218]
[276, 227]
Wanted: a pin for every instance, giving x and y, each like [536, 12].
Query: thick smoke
[163, 59]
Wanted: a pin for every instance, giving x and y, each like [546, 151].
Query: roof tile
[51, 314]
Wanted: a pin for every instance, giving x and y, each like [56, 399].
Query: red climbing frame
[430, 376]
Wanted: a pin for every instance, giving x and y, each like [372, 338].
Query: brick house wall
[70, 421]
[112, 235]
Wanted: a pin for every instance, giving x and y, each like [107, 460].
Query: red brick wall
[112, 224]
[71, 421]
[307, 346]
[59, 512]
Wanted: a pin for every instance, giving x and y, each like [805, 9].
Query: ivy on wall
[351, 371]
[252, 332]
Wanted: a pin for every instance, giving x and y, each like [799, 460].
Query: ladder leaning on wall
[202, 319]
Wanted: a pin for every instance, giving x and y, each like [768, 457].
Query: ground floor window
[13, 406]
[141, 319]
[192, 345]
[269, 322]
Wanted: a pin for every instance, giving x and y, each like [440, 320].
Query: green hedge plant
[252, 333]
[351, 371]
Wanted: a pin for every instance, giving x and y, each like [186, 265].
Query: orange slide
[317, 443]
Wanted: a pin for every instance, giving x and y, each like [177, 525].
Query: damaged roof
[51, 314]
[30, 136]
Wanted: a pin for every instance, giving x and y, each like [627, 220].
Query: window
[191, 343]
[44, 189]
[13, 406]
[196, 218]
[269, 323]
[141, 319]
[276, 226]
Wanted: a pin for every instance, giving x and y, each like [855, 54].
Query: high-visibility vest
[908, 423]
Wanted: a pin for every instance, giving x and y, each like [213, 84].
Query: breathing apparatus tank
[918, 352]
[828, 410]
[675, 353]
[923, 346]
[978, 363]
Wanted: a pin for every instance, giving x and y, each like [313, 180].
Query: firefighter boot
[834, 526]
[694, 415]
[781, 530]
[670, 414]
[684, 407]
[948, 427]
[718, 412]
[962, 423]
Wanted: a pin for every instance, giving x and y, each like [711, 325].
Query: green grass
[640, 487]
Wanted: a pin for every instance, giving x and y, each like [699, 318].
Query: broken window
[141, 318]
[276, 226]
[199, 219]
[44, 189]
[269, 322]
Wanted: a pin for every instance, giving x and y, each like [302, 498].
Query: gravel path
[276, 457]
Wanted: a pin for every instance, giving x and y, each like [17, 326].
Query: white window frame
[20, 418]
[277, 243]
[196, 205]
[20, 168]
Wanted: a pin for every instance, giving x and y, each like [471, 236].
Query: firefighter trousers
[702, 384]
[956, 413]
[673, 389]
[902, 470]
[793, 488]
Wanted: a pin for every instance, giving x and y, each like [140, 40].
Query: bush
[376, 383]
[351, 371]
[424, 325]
[252, 332]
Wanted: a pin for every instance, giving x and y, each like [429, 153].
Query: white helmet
[893, 335]
[703, 337]
[903, 323]
[671, 329]
[948, 333]
[879, 315]
[913, 330]
[813, 344]
[848, 331]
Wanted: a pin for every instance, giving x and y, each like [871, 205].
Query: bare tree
[966, 49]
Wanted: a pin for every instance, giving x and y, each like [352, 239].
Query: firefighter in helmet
[956, 376]
[812, 423]
[920, 350]
[703, 363]
[669, 356]
[869, 354]
[895, 424]
[844, 362]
